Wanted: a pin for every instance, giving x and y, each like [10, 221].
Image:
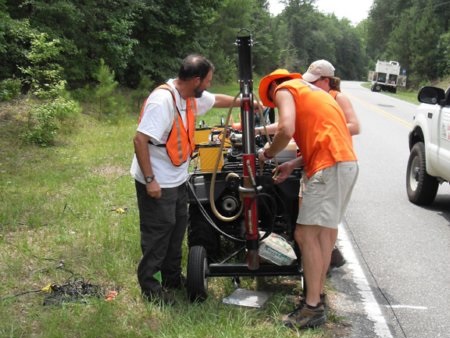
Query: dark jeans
[163, 225]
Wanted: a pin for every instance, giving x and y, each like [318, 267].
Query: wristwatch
[149, 179]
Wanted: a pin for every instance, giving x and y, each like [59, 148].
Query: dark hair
[335, 83]
[195, 65]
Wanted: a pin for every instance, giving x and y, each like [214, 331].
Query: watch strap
[149, 179]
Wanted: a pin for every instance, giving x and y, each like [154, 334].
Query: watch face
[149, 179]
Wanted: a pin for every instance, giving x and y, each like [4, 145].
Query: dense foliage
[145, 39]
[413, 32]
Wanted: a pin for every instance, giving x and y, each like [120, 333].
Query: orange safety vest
[180, 144]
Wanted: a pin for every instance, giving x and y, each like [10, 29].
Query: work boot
[306, 316]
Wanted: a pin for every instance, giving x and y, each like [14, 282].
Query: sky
[354, 10]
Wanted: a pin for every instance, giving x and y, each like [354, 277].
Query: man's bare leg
[308, 239]
[327, 240]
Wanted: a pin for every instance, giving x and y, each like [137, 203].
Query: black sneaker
[305, 317]
[159, 297]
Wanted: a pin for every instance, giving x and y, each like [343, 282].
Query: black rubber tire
[196, 279]
[375, 88]
[420, 187]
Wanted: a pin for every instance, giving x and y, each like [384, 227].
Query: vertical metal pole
[248, 191]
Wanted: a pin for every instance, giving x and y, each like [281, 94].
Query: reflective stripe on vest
[180, 143]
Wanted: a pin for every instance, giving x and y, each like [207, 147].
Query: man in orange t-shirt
[317, 124]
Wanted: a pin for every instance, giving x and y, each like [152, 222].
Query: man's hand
[282, 172]
[262, 157]
[153, 189]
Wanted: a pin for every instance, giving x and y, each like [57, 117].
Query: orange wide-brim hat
[265, 82]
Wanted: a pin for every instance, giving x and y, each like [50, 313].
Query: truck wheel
[420, 186]
[196, 281]
[375, 87]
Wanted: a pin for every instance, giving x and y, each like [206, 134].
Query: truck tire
[196, 279]
[420, 186]
[376, 87]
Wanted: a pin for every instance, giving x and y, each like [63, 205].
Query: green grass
[408, 95]
[405, 95]
[59, 215]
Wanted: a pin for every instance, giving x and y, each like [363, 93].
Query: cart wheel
[197, 283]
[200, 232]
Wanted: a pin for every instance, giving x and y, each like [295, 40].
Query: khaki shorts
[326, 195]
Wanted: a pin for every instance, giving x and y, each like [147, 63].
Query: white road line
[371, 307]
[413, 307]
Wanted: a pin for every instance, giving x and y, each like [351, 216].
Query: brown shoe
[305, 317]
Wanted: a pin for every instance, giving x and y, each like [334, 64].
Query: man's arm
[286, 122]
[270, 128]
[226, 101]
[143, 157]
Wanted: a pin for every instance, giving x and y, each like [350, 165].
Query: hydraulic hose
[214, 173]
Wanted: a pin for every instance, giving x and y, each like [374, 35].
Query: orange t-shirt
[321, 131]
[333, 93]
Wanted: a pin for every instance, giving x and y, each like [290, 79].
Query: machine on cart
[234, 204]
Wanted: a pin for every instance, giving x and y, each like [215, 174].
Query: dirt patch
[110, 171]
[14, 109]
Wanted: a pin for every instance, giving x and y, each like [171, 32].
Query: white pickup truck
[429, 143]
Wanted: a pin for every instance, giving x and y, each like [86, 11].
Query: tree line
[413, 32]
[144, 40]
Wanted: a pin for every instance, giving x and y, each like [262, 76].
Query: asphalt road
[396, 282]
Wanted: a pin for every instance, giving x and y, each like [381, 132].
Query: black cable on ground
[75, 289]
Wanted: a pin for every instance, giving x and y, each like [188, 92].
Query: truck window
[381, 77]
